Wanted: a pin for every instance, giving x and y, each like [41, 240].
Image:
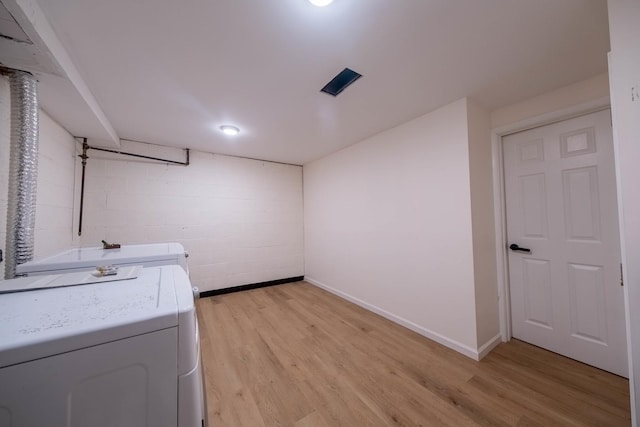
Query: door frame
[499, 199]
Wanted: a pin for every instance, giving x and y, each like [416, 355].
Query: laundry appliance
[79, 259]
[117, 353]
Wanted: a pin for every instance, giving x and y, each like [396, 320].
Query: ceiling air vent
[340, 82]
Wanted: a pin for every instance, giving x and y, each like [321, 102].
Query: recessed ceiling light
[230, 130]
[321, 3]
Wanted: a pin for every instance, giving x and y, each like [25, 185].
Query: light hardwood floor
[295, 355]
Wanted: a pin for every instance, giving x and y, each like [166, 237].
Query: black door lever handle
[515, 247]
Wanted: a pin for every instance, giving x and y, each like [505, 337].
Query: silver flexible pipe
[23, 171]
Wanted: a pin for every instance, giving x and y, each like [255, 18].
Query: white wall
[624, 18]
[55, 197]
[388, 224]
[578, 93]
[482, 219]
[239, 219]
[55, 217]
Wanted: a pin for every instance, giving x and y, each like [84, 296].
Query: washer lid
[91, 257]
[46, 322]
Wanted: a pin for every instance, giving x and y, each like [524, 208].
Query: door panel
[537, 292]
[582, 206]
[586, 299]
[533, 207]
[561, 203]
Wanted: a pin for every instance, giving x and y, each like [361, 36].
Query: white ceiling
[171, 72]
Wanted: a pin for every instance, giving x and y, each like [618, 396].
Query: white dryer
[79, 259]
[122, 353]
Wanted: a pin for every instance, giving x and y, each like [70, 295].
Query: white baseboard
[434, 336]
[489, 345]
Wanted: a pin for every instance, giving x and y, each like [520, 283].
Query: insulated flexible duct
[23, 171]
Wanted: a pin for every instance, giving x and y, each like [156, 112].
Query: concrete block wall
[56, 182]
[239, 219]
[57, 191]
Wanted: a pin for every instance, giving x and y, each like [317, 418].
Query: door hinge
[621, 276]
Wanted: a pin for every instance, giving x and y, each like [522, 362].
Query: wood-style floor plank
[295, 355]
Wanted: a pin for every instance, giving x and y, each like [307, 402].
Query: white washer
[122, 353]
[79, 259]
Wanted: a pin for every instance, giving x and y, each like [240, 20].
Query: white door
[566, 293]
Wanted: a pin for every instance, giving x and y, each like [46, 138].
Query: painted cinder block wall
[239, 219]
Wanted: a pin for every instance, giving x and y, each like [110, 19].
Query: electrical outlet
[635, 93]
